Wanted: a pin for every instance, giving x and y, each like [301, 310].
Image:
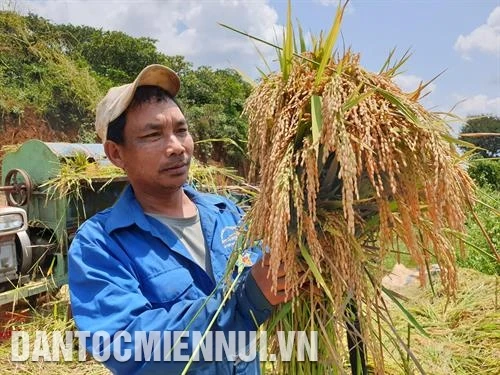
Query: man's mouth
[177, 167]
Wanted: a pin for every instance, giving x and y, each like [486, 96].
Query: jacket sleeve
[106, 297]
[252, 304]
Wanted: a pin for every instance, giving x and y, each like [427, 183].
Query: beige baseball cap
[118, 98]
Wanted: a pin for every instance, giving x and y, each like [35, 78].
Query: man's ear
[114, 153]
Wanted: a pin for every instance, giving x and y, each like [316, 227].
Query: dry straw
[78, 172]
[347, 164]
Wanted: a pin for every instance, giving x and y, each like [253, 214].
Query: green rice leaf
[286, 59]
[387, 61]
[356, 98]
[248, 35]
[394, 70]
[281, 58]
[458, 142]
[294, 41]
[264, 60]
[316, 119]
[493, 209]
[276, 318]
[225, 140]
[317, 275]
[422, 86]
[466, 156]
[302, 40]
[330, 42]
[407, 112]
[274, 45]
[263, 74]
[314, 42]
[411, 319]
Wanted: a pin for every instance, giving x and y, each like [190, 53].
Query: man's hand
[260, 271]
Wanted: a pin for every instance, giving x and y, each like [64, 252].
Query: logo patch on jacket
[245, 260]
[228, 237]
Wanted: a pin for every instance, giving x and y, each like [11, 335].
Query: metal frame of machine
[35, 253]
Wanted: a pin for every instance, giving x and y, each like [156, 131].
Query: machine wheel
[20, 185]
[24, 253]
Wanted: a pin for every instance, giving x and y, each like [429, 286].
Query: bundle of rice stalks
[348, 166]
[77, 173]
[218, 179]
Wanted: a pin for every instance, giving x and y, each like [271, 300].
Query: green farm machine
[51, 188]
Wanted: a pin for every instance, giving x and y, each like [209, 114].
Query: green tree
[486, 173]
[213, 101]
[35, 72]
[485, 124]
[114, 55]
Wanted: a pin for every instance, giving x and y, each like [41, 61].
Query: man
[155, 261]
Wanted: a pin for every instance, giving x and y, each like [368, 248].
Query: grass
[464, 334]
[51, 315]
[479, 254]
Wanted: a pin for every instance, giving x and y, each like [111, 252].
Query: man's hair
[143, 94]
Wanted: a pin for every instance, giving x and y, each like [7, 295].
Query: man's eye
[151, 135]
[182, 130]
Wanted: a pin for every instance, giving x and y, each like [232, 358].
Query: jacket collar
[127, 210]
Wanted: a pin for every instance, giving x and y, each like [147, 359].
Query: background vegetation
[489, 146]
[480, 255]
[484, 168]
[52, 76]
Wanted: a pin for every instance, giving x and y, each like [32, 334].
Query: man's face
[158, 147]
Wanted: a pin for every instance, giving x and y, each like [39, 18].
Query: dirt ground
[401, 276]
[29, 126]
[14, 131]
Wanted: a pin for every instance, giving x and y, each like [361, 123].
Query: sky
[459, 37]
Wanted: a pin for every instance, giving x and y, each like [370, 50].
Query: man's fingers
[311, 288]
[266, 263]
[265, 279]
[266, 260]
[280, 296]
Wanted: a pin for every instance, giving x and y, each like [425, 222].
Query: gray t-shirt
[189, 232]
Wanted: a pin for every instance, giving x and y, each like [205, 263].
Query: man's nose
[174, 146]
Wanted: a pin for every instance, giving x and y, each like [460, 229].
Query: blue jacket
[128, 272]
